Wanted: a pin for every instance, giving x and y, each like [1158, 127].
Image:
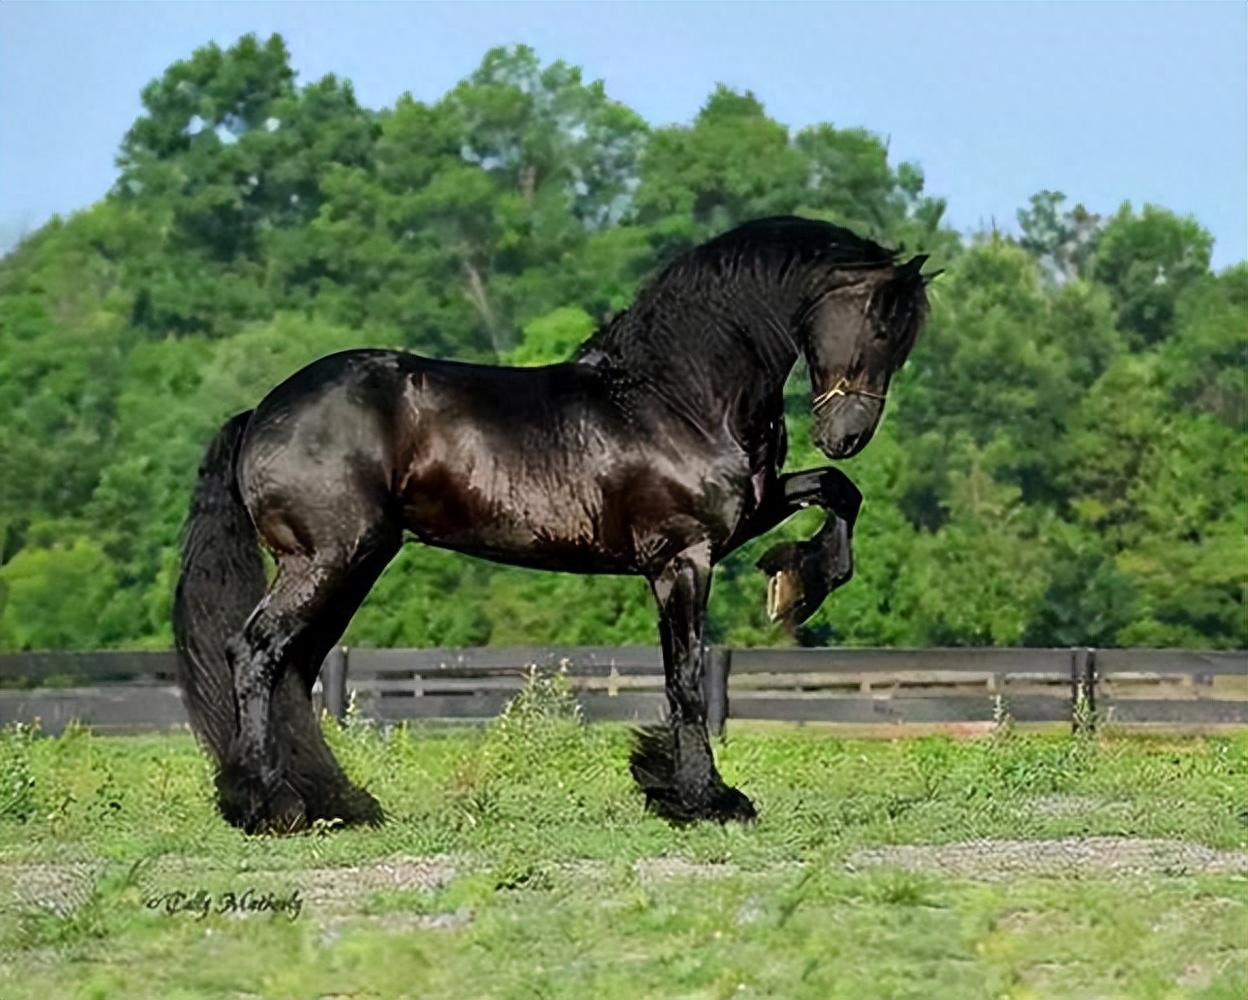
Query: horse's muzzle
[843, 427]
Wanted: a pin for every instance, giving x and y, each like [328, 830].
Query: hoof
[800, 577]
[259, 805]
[681, 802]
[286, 812]
[724, 805]
[352, 807]
[794, 585]
[784, 595]
[326, 797]
[731, 805]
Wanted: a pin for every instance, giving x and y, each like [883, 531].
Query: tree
[1204, 365]
[988, 367]
[553, 337]
[54, 597]
[535, 127]
[1147, 261]
[1062, 241]
[229, 151]
[982, 578]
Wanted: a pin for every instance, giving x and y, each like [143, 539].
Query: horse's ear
[912, 268]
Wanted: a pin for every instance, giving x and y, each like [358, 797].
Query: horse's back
[559, 467]
[371, 433]
[550, 467]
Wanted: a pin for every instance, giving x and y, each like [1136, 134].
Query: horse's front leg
[673, 762]
[802, 574]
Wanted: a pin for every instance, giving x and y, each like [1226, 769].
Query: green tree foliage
[552, 337]
[1147, 261]
[1061, 241]
[1063, 459]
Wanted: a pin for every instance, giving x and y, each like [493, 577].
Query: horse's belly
[616, 508]
[516, 520]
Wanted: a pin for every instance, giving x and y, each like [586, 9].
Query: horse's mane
[811, 239]
[721, 302]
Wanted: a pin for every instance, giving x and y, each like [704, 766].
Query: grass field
[518, 863]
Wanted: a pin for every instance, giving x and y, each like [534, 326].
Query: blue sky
[1105, 102]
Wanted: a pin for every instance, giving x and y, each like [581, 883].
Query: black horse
[656, 450]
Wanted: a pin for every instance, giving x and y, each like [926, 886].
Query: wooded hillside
[1064, 459]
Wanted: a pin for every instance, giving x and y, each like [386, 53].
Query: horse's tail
[221, 582]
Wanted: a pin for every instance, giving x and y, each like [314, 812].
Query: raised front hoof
[786, 599]
[800, 577]
[724, 805]
[790, 599]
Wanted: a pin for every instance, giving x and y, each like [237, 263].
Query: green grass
[556, 890]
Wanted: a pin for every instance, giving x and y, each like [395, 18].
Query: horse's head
[857, 334]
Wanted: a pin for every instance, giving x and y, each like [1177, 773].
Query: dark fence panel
[582, 661]
[116, 708]
[1165, 662]
[617, 683]
[930, 708]
[978, 660]
[1164, 710]
[130, 691]
[1171, 686]
[85, 669]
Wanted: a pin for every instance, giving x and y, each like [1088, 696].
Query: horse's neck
[715, 359]
[750, 354]
[734, 386]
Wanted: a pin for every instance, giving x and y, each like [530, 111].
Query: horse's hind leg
[280, 772]
[304, 758]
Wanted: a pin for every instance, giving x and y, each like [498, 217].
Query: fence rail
[136, 691]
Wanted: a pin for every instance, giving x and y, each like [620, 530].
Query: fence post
[334, 682]
[1091, 679]
[1083, 690]
[715, 688]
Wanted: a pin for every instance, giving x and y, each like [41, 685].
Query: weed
[895, 887]
[540, 726]
[1002, 718]
[17, 781]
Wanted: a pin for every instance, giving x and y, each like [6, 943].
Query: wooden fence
[128, 692]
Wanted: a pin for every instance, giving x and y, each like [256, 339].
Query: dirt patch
[651, 870]
[333, 927]
[327, 889]
[662, 869]
[1070, 805]
[1072, 857]
[59, 888]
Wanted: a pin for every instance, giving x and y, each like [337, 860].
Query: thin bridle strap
[842, 388]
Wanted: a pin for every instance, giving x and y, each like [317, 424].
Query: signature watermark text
[199, 902]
